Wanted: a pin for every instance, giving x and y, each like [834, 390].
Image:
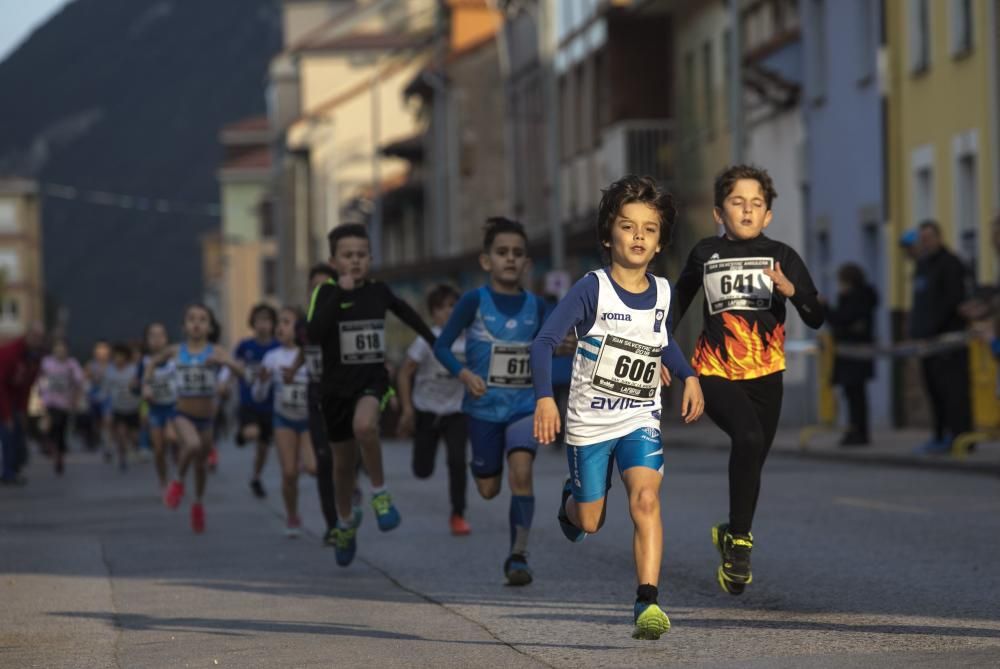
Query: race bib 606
[738, 283]
[627, 368]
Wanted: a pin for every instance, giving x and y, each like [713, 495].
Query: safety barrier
[982, 375]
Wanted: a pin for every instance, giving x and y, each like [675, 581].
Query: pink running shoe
[173, 495]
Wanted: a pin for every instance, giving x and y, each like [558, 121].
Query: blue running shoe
[345, 545]
[516, 569]
[934, 447]
[385, 513]
[650, 621]
[569, 530]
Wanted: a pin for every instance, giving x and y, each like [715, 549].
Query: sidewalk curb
[943, 463]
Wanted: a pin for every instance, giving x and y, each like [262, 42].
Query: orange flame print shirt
[743, 336]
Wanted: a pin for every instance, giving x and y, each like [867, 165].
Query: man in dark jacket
[939, 288]
[853, 322]
[19, 361]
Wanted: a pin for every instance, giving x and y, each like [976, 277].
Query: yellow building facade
[941, 143]
[940, 74]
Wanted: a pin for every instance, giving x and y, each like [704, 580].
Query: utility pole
[375, 225]
[546, 61]
[736, 83]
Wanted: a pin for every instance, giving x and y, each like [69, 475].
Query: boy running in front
[500, 320]
[740, 354]
[621, 315]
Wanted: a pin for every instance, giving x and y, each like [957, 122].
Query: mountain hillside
[127, 96]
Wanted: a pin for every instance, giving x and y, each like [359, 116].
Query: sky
[19, 17]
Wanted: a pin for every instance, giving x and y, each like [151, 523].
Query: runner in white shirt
[291, 413]
[432, 407]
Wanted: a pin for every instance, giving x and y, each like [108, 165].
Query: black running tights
[748, 412]
[430, 428]
[324, 457]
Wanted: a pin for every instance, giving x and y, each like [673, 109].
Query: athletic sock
[646, 594]
[522, 511]
[378, 490]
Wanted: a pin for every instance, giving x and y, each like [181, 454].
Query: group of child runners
[482, 375]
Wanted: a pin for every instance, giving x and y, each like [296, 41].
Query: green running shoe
[385, 512]
[650, 621]
[734, 550]
[345, 545]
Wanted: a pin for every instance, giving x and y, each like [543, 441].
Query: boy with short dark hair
[500, 319]
[348, 322]
[621, 317]
[747, 278]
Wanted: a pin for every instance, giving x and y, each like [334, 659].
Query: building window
[919, 35]
[598, 99]
[581, 106]
[961, 27]
[965, 157]
[10, 311]
[10, 265]
[923, 201]
[689, 89]
[727, 68]
[567, 109]
[269, 276]
[708, 83]
[968, 210]
[867, 50]
[817, 57]
[267, 227]
[8, 217]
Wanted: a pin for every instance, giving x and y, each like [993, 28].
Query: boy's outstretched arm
[572, 310]
[461, 317]
[674, 360]
[688, 284]
[804, 295]
[409, 315]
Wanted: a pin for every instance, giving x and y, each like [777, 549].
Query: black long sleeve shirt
[743, 336]
[938, 290]
[349, 326]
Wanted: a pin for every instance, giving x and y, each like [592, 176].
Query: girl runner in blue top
[621, 317]
[196, 362]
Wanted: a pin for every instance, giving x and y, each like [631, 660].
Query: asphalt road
[854, 566]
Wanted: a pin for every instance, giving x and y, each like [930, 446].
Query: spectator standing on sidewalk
[853, 322]
[938, 291]
[19, 362]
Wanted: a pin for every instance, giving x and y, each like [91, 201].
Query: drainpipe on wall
[736, 84]
[993, 16]
[546, 61]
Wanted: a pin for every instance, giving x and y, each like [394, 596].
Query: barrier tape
[908, 348]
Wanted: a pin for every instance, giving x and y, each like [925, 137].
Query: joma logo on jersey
[611, 316]
[619, 403]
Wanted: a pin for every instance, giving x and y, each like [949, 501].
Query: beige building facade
[22, 295]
